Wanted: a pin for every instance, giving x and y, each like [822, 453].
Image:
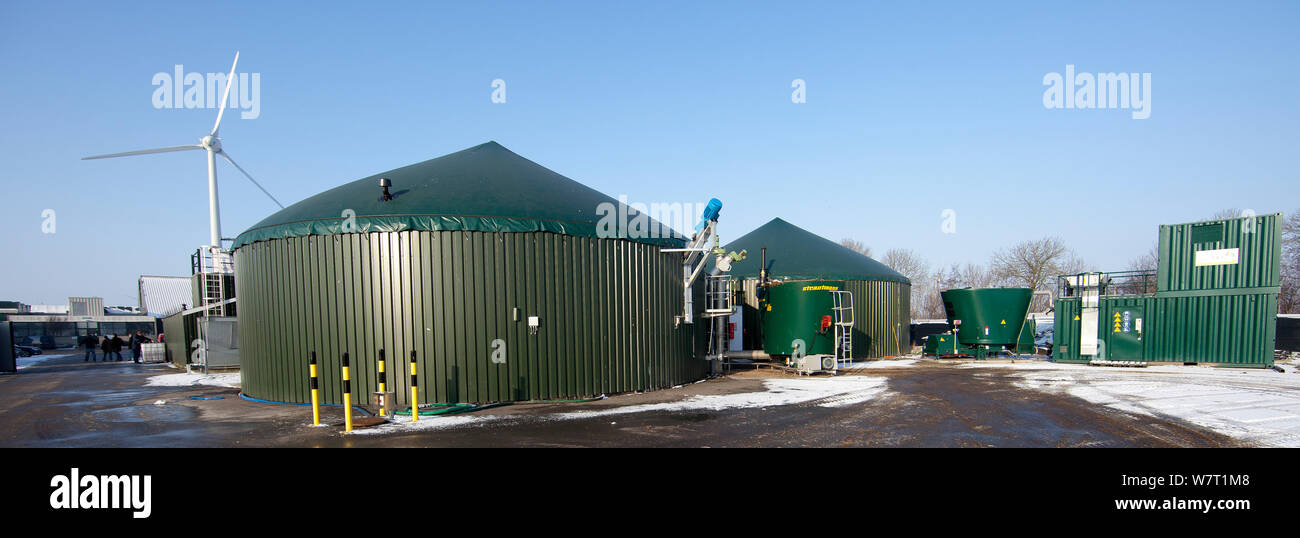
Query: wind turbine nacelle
[211, 142]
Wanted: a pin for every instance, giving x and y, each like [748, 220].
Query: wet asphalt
[64, 402]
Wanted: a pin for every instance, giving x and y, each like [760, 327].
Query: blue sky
[912, 108]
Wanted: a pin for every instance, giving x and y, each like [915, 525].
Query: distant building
[83, 315]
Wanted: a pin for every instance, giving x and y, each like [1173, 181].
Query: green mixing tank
[800, 311]
[991, 317]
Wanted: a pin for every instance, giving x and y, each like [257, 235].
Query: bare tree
[975, 275]
[1035, 264]
[1225, 214]
[907, 262]
[1147, 264]
[910, 265]
[856, 246]
[1289, 298]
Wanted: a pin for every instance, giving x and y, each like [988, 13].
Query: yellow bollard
[415, 391]
[347, 396]
[315, 393]
[382, 380]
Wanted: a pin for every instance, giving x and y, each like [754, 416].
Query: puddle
[145, 413]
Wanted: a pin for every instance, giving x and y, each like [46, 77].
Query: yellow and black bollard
[347, 396]
[415, 391]
[315, 393]
[383, 385]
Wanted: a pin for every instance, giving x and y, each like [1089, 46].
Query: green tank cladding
[487, 267]
[794, 316]
[989, 316]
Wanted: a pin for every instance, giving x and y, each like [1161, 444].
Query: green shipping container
[1215, 302]
[492, 270]
[1235, 254]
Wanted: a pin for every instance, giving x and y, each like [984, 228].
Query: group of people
[112, 346]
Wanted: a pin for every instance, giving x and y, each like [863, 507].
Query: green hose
[449, 409]
[452, 408]
[582, 400]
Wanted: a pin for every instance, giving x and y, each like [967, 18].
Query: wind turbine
[212, 144]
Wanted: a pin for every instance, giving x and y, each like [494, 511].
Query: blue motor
[710, 213]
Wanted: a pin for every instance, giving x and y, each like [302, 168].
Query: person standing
[90, 342]
[137, 342]
[117, 344]
[106, 347]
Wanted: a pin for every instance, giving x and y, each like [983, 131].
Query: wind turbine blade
[144, 152]
[250, 178]
[229, 80]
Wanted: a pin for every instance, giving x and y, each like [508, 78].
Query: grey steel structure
[491, 269]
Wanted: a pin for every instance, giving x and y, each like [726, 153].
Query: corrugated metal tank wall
[606, 309]
[882, 317]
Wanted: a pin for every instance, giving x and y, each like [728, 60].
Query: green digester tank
[793, 312]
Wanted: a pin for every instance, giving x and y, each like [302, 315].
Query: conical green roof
[484, 188]
[796, 253]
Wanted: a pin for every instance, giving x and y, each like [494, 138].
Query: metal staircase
[843, 318]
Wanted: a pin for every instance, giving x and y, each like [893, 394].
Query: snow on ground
[821, 391]
[186, 380]
[1258, 406]
[887, 363]
[28, 362]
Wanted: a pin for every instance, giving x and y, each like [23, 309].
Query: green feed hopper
[992, 317]
[795, 312]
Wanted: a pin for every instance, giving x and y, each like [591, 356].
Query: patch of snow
[185, 380]
[405, 424]
[820, 391]
[1257, 406]
[28, 362]
[887, 363]
[824, 392]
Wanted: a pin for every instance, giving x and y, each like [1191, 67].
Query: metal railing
[1117, 283]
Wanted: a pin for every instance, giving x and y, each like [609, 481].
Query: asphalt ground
[64, 402]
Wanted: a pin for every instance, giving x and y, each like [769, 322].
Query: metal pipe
[315, 393]
[382, 382]
[347, 395]
[415, 391]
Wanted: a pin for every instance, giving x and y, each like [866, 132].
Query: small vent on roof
[384, 184]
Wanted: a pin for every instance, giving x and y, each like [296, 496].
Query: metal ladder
[214, 291]
[842, 308]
